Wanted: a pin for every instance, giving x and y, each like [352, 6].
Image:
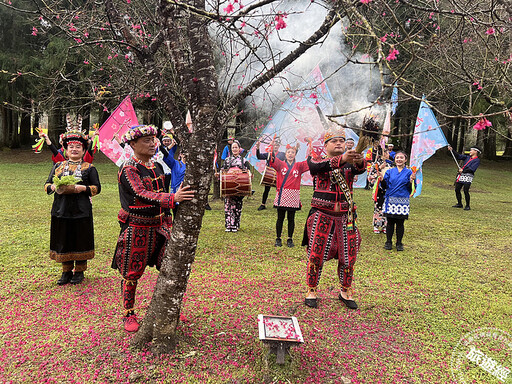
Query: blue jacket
[397, 184]
[178, 169]
[468, 166]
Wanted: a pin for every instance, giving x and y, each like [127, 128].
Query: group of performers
[330, 231]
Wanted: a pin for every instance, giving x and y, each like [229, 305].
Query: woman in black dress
[72, 230]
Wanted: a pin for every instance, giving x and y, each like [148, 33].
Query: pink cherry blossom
[393, 52]
[482, 124]
[229, 8]
[280, 24]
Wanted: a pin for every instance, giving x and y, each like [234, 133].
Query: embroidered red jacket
[288, 181]
[327, 194]
[141, 191]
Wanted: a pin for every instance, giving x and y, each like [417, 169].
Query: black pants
[458, 187]
[280, 220]
[390, 229]
[265, 195]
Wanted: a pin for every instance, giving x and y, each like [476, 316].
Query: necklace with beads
[78, 171]
[148, 164]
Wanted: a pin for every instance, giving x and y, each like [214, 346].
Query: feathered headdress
[74, 133]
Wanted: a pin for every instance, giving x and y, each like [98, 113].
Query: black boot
[77, 278]
[65, 278]
[278, 243]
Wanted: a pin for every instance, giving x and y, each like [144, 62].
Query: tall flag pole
[428, 138]
[386, 129]
[394, 100]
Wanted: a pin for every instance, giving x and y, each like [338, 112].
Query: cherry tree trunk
[199, 80]
[162, 318]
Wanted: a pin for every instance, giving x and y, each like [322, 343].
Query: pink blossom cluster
[482, 124]
[393, 52]
[280, 23]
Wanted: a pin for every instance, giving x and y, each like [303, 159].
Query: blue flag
[302, 117]
[394, 100]
[428, 138]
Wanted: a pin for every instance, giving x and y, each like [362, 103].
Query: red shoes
[130, 323]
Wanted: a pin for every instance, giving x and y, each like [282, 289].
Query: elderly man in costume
[331, 230]
[466, 174]
[144, 216]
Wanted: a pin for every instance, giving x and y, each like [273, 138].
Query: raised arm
[169, 158]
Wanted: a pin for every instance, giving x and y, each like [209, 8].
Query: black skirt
[71, 239]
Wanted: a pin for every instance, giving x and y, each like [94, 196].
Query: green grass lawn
[453, 278]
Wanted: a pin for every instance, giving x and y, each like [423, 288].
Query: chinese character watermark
[484, 350]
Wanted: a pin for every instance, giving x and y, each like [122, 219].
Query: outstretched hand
[353, 157]
[184, 193]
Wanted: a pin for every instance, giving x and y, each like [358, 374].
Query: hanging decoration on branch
[370, 132]
[482, 124]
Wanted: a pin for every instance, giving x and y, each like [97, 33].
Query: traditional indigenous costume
[233, 204]
[72, 229]
[379, 220]
[371, 156]
[465, 178]
[398, 187]
[264, 156]
[144, 218]
[330, 231]
[287, 193]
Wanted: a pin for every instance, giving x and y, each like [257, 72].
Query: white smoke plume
[353, 86]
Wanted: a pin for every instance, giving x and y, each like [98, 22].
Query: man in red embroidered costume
[144, 216]
[330, 230]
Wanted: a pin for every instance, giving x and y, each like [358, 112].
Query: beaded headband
[74, 137]
[334, 134]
